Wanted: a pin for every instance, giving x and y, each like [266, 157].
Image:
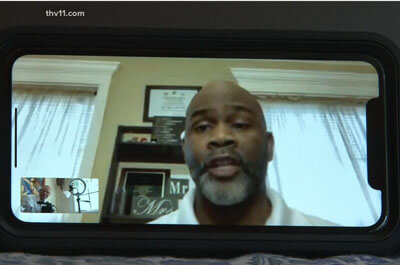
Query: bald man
[227, 149]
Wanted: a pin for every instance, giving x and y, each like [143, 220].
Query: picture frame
[163, 174]
[167, 101]
[134, 181]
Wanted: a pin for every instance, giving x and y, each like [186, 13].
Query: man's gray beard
[226, 193]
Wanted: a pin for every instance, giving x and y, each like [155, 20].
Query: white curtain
[52, 127]
[320, 159]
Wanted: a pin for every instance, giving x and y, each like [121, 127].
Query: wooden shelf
[150, 152]
[135, 152]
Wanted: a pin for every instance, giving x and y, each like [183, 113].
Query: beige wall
[125, 101]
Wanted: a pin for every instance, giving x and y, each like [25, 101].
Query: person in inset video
[37, 203]
[227, 149]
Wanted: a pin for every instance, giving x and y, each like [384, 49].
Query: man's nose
[221, 137]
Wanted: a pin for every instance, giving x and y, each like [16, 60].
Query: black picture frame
[134, 188]
[125, 171]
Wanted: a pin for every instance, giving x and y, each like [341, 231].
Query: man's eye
[240, 125]
[202, 128]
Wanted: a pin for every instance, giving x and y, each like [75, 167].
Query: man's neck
[253, 211]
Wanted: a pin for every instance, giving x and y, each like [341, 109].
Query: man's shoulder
[28, 203]
[282, 214]
[29, 198]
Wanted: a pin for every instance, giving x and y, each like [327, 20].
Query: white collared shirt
[281, 214]
[29, 204]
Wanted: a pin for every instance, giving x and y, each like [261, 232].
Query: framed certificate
[167, 101]
[145, 181]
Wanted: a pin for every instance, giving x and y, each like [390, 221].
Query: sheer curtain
[52, 128]
[320, 159]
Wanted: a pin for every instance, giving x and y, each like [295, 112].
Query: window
[52, 129]
[320, 159]
[79, 79]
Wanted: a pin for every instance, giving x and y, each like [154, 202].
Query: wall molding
[59, 71]
[307, 83]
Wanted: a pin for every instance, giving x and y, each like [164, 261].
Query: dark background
[377, 17]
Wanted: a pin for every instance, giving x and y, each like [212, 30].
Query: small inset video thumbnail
[59, 195]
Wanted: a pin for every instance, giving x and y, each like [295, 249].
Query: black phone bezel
[382, 133]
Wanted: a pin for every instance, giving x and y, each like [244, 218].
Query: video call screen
[97, 139]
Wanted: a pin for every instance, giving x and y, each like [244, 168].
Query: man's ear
[270, 146]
